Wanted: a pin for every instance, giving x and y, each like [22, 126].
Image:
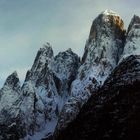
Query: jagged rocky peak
[44, 54]
[65, 67]
[10, 122]
[65, 63]
[65, 54]
[43, 58]
[132, 46]
[12, 81]
[46, 87]
[10, 92]
[105, 44]
[106, 39]
[107, 20]
[134, 22]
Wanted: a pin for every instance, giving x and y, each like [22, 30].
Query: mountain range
[66, 97]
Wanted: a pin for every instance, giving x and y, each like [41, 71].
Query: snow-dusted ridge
[38, 103]
[132, 43]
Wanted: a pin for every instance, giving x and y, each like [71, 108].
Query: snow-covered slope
[32, 109]
[10, 99]
[37, 104]
[65, 66]
[102, 52]
[46, 88]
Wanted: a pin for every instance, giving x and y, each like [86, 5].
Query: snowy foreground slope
[56, 87]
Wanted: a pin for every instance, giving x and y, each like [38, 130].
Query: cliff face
[132, 38]
[97, 97]
[47, 86]
[34, 108]
[113, 111]
[10, 120]
[102, 53]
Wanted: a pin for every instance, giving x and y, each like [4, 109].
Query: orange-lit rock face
[102, 22]
[106, 37]
[119, 22]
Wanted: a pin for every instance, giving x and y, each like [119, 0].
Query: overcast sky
[25, 25]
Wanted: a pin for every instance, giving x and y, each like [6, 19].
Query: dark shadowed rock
[113, 112]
